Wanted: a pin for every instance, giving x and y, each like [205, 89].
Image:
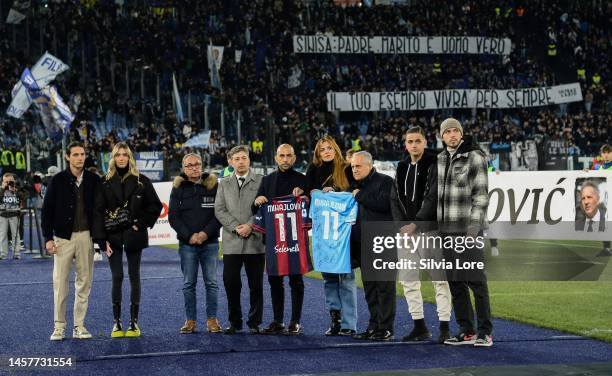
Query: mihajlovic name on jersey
[272, 208]
[330, 204]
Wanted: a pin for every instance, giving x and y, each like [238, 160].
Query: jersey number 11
[280, 217]
[326, 226]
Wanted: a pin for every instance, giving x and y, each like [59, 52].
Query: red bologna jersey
[285, 223]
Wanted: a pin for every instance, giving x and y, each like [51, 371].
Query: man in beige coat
[240, 244]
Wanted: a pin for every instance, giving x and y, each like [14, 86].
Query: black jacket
[374, 205]
[143, 204]
[60, 203]
[278, 184]
[192, 208]
[321, 177]
[409, 196]
[318, 177]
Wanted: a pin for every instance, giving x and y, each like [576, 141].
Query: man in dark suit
[591, 215]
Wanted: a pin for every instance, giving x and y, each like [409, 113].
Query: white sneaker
[80, 332]
[58, 334]
[97, 256]
[494, 251]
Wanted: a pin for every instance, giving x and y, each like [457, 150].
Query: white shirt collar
[243, 176]
[79, 179]
[595, 220]
[452, 152]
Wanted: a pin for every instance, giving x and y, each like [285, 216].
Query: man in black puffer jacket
[192, 216]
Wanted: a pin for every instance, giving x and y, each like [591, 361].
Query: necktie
[590, 228]
[240, 182]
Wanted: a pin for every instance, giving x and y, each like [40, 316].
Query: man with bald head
[283, 182]
[372, 191]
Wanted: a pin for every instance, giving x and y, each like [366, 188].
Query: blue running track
[27, 321]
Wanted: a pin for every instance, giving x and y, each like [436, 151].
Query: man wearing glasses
[192, 216]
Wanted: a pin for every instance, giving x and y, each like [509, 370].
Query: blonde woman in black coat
[124, 187]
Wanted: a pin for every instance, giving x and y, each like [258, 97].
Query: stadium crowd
[134, 49]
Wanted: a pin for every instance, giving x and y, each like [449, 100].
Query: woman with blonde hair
[126, 204]
[329, 172]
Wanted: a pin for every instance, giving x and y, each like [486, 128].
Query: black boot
[117, 311]
[334, 327]
[117, 328]
[444, 332]
[418, 333]
[133, 330]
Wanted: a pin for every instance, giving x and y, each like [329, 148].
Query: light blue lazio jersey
[332, 215]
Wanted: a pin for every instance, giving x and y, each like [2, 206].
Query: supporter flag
[295, 78]
[15, 17]
[18, 11]
[215, 58]
[201, 140]
[53, 111]
[43, 72]
[177, 100]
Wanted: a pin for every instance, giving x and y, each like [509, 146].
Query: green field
[579, 307]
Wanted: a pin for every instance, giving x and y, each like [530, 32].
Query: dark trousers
[277, 293]
[464, 312]
[116, 266]
[460, 283]
[254, 268]
[380, 296]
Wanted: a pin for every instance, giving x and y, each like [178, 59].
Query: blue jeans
[341, 295]
[191, 258]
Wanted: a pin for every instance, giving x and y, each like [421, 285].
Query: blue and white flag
[53, 111]
[201, 140]
[52, 108]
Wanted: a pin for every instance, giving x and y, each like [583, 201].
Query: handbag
[117, 219]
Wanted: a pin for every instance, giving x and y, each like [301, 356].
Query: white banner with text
[454, 98]
[334, 44]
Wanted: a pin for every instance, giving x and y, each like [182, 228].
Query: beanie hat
[450, 123]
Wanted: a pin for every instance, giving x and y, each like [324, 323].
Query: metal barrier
[33, 216]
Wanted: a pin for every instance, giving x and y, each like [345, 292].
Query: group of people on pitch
[448, 188]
